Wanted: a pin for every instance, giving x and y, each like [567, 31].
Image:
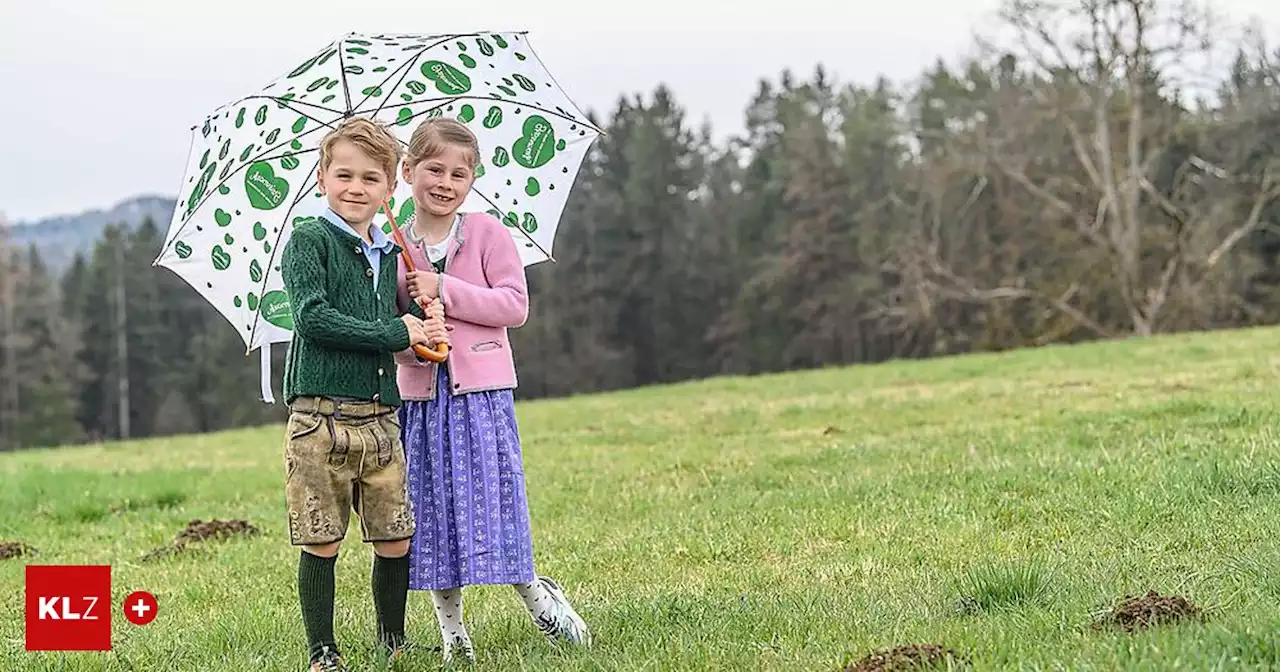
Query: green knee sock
[315, 594]
[390, 593]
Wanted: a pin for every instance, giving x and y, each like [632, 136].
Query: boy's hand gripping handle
[442, 350]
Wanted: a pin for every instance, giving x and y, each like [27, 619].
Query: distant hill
[59, 238]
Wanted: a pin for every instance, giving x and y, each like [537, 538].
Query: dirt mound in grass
[907, 657]
[1138, 612]
[216, 529]
[198, 530]
[14, 549]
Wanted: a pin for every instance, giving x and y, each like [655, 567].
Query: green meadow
[996, 504]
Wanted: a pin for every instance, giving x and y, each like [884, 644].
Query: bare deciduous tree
[1093, 136]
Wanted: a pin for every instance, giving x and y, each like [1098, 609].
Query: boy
[343, 448]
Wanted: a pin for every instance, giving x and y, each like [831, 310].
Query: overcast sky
[100, 94]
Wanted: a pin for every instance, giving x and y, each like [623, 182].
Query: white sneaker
[560, 621]
[458, 645]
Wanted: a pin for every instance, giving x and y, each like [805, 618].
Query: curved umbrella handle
[441, 351]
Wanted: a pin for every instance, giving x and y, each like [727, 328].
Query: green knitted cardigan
[345, 333]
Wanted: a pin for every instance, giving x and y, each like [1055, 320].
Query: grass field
[995, 504]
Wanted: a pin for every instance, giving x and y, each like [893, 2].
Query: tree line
[1082, 178]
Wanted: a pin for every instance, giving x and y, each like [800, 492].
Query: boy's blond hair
[433, 135]
[372, 138]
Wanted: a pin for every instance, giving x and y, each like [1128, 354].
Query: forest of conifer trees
[1063, 187]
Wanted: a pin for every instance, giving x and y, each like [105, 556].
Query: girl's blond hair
[432, 136]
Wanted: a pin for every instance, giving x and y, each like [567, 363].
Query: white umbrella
[251, 173]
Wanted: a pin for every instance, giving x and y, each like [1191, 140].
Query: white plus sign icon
[140, 607]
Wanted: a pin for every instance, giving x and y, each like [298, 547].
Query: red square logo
[68, 608]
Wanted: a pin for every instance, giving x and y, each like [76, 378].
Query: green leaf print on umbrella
[485, 47]
[221, 260]
[265, 190]
[275, 309]
[493, 118]
[306, 65]
[524, 82]
[537, 146]
[448, 79]
[194, 199]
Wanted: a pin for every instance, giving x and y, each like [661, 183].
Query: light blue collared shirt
[380, 244]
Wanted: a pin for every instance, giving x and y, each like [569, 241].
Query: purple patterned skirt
[466, 482]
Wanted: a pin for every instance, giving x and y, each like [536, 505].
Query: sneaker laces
[329, 661]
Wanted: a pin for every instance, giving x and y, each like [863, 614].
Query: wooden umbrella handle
[442, 349]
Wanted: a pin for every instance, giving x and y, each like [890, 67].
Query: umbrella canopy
[251, 172]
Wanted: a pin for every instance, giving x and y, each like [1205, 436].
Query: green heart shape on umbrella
[275, 309]
[448, 79]
[265, 190]
[537, 146]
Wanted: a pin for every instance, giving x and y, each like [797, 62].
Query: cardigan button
[368, 272]
[356, 249]
[379, 372]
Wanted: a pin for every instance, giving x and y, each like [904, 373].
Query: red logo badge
[140, 607]
[68, 608]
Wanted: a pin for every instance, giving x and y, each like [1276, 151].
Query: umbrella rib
[288, 102]
[517, 227]
[539, 108]
[173, 236]
[534, 52]
[342, 72]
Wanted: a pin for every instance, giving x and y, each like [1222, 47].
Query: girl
[462, 446]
